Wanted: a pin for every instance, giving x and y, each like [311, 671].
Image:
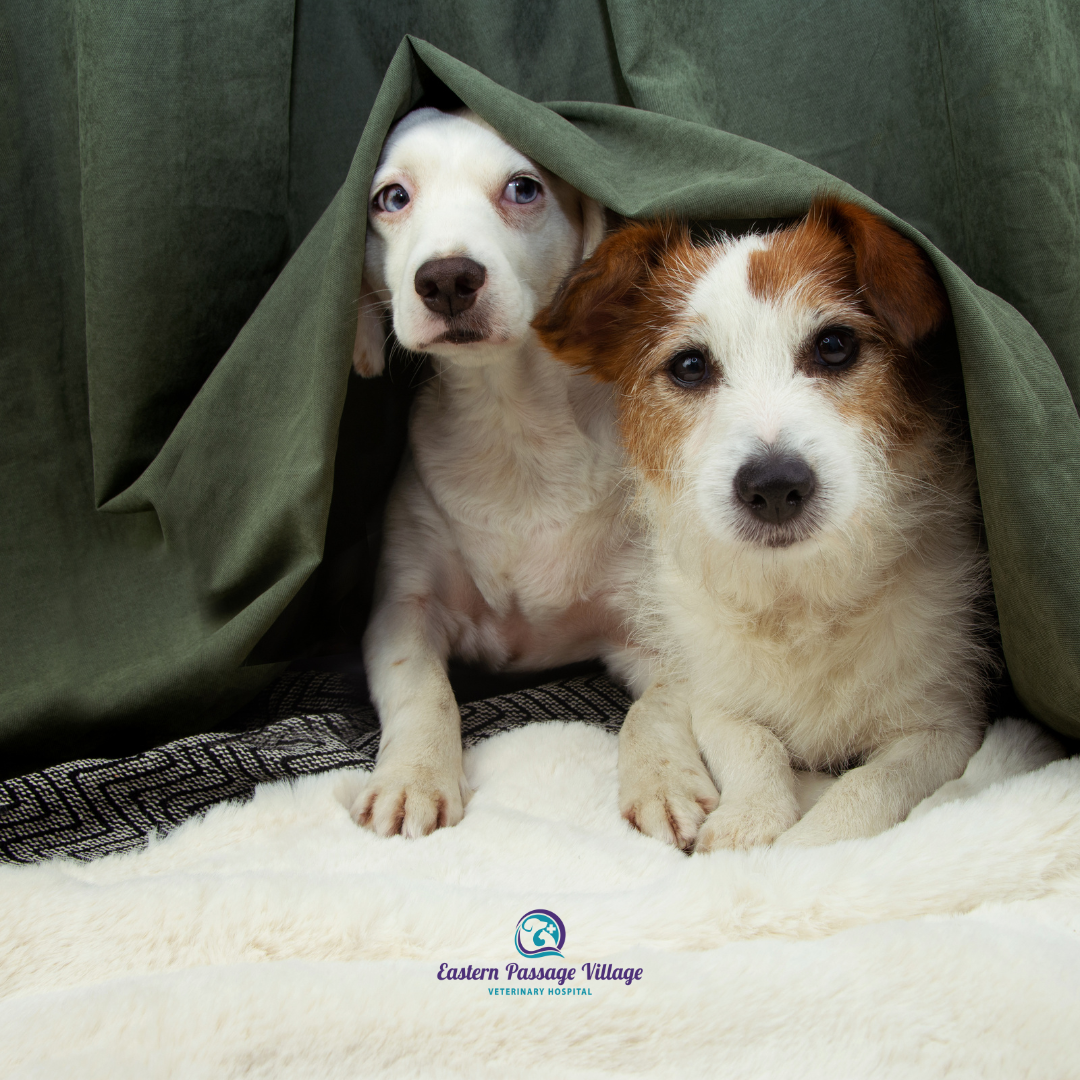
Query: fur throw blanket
[276, 939]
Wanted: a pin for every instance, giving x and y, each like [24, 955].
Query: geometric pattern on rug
[305, 722]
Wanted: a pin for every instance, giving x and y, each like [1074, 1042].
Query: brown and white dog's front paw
[412, 800]
[850, 809]
[668, 802]
[814, 832]
[738, 824]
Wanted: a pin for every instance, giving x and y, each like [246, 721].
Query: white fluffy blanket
[277, 939]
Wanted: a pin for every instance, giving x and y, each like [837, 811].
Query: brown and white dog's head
[771, 381]
[467, 239]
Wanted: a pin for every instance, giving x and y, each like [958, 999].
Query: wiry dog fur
[505, 539]
[836, 623]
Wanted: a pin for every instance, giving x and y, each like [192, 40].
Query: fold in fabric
[166, 497]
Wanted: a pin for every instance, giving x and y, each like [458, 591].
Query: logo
[540, 933]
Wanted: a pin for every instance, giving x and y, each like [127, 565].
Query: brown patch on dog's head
[808, 257]
[618, 316]
[839, 245]
[841, 255]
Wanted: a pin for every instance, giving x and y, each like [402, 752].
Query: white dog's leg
[873, 797]
[664, 788]
[1011, 747]
[418, 784]
[757, 784]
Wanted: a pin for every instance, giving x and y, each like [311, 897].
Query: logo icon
[540, 933]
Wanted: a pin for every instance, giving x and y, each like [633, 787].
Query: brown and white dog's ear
[895, 276]
[367, 358]
[596, 305]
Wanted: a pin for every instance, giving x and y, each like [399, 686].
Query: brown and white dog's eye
[836, 347]
[690, 368]
[391, 199]
[523, 189]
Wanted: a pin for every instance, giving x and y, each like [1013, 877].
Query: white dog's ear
[594, 225]
[367, 354]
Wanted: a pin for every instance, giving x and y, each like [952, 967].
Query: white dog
[505, 540]
[816, 573]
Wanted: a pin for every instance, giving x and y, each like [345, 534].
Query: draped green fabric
[183, 191]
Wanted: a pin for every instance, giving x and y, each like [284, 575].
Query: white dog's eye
[690, 368]
[391, 199]
[523, 189]
[836, 347]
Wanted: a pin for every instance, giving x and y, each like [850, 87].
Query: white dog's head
[770, 385]
[467, 239]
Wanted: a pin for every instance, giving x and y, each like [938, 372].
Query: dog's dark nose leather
[449, 286]
[775, 487]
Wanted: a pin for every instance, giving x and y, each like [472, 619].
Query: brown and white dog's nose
[775, 486]
[449, 286]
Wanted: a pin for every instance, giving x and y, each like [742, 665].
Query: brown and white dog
[816, 573]
[505, 539]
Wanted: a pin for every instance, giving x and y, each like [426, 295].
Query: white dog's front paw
[745, 823]
[412, 800]
[668, 802]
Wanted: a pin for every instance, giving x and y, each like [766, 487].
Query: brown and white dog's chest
[828, 683]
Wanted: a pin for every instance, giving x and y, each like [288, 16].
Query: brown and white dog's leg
[417, 784]
[757, 785]
[664, 788]
[897, 776]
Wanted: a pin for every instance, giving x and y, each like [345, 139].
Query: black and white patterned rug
[306, 722]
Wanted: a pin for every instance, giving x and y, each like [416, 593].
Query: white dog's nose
[449, 286]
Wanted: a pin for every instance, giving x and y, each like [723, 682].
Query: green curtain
[183, 191]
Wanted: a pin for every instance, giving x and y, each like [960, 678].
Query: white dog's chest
[523, 543]
[532, 505]
[543, 637]
[527, 568]
[534, 596]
